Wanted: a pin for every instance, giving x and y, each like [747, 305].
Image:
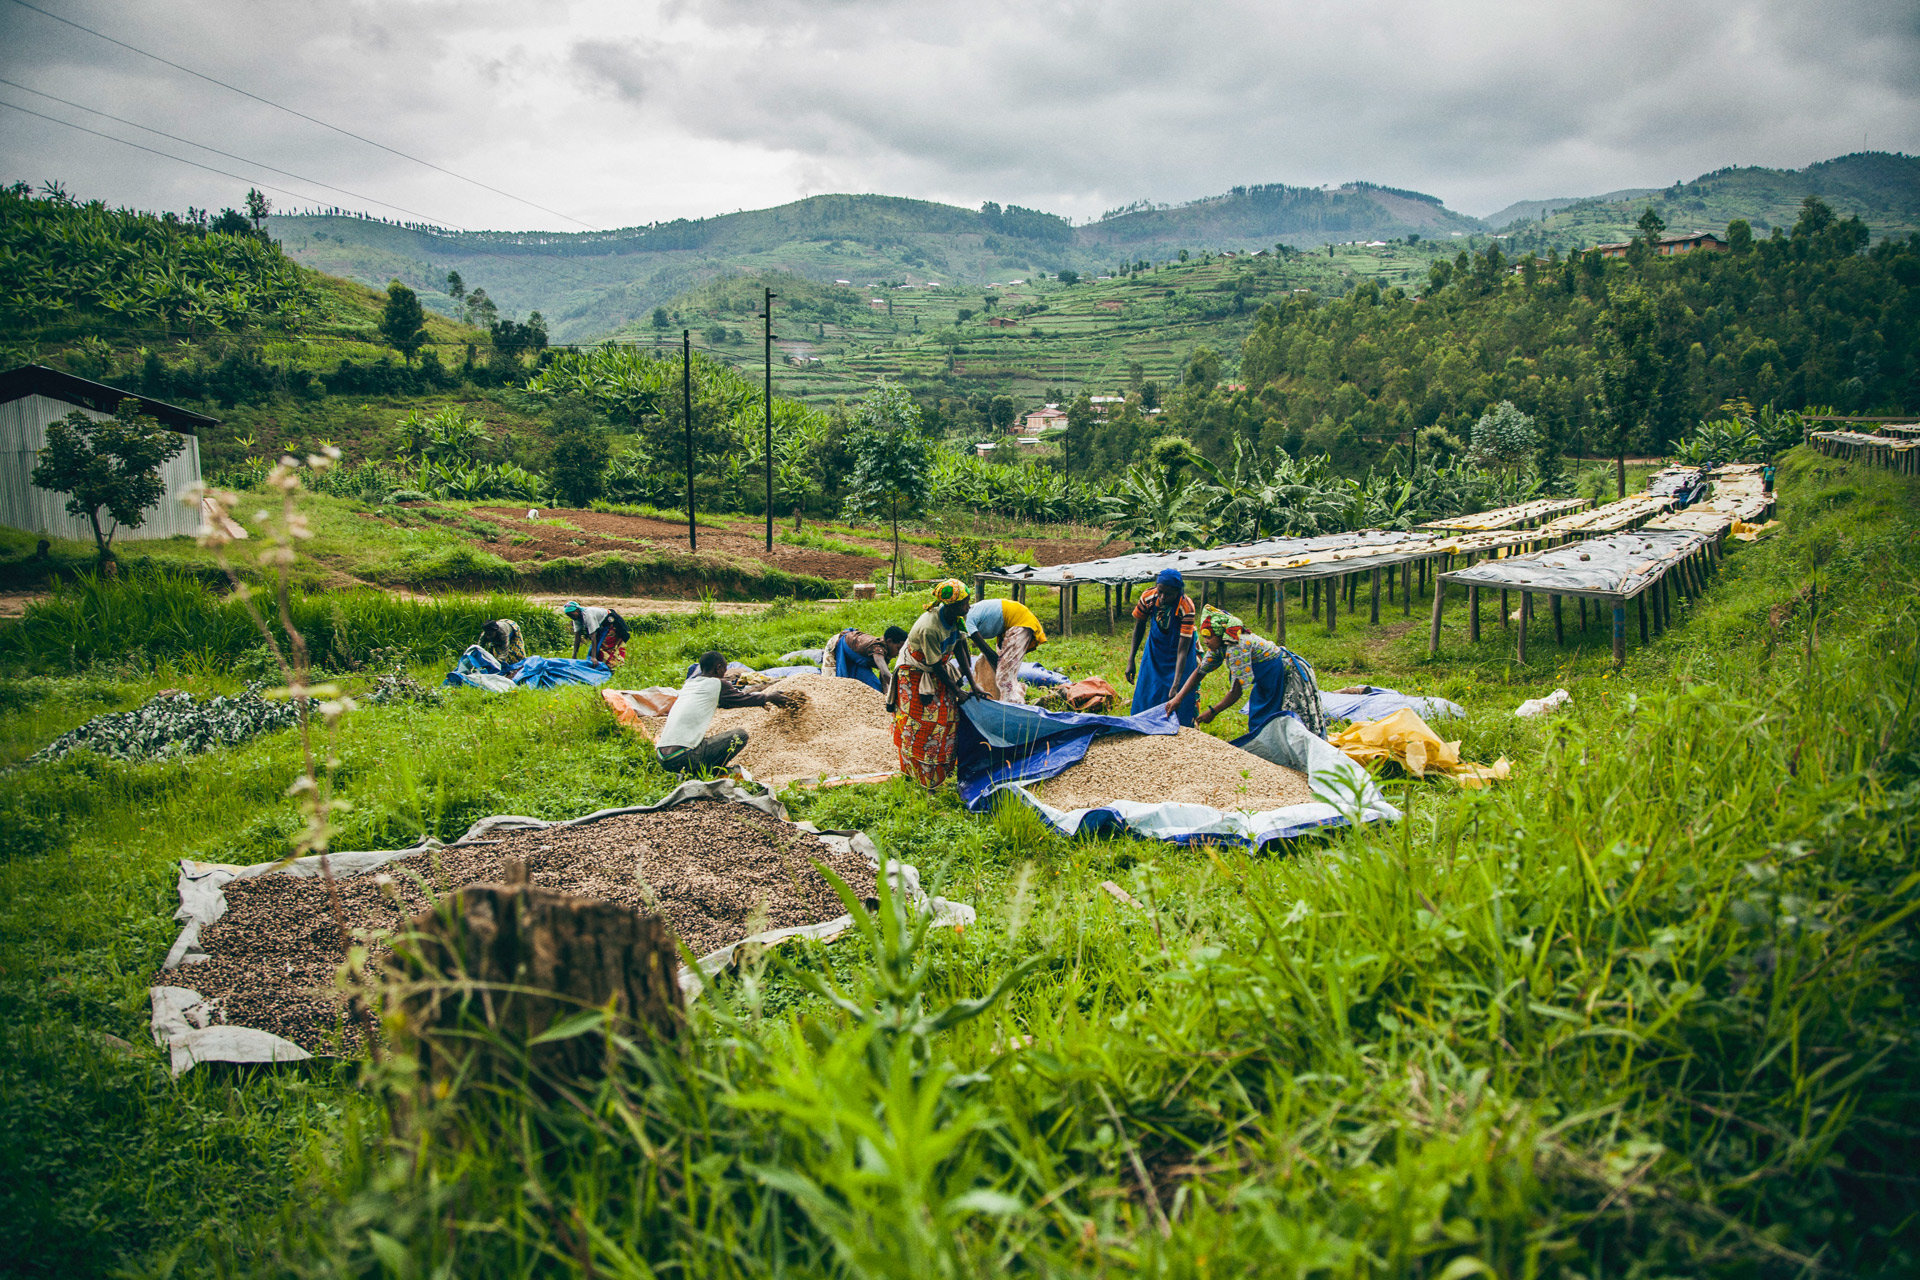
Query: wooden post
[495, 965]
[1406, 591]
[1641, 600]
[1619, 633]
[979, 586]
[1375, 575]
[1473, 614]
[1559, 635]
[1316, 597]
[1280, 613]
[1506, 610]
[1583, 615]
[1520, 632]
[1064, 632]
[1333, 596]
[1433, 632]
[1110, 594]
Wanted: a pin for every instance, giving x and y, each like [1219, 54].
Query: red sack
[1091, 695]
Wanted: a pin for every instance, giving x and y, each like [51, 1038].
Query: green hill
[591, 284]
[1881, 189]
[836, 341]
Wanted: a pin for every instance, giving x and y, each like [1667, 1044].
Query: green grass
[1645, 1010]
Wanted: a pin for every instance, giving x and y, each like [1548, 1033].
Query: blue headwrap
[1170, 584]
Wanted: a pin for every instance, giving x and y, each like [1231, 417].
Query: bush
[579, 465]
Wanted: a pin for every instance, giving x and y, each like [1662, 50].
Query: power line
[387, 204]
[298, 195]
[304, 116]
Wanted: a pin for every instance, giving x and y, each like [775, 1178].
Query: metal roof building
[32, 396]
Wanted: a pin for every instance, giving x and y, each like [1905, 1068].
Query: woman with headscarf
[926, 693]
[1276, 681]
[603, 631]
[1163, 617]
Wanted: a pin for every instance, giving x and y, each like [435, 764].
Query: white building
[32, 396]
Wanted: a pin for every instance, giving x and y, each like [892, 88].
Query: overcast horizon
[609, 115]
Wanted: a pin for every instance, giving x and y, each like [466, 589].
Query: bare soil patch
[606, 531]
[716, 871]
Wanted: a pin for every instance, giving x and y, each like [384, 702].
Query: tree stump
[495, 966]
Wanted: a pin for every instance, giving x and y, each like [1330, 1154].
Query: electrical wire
[298, 195]
[261, 164]
[278, 106]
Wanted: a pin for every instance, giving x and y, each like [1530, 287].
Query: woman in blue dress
[1163, 617]
[1274, 680]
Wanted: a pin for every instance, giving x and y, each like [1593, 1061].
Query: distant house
[1669, 246]
[843, 282]
[878, 304]
[1001, 322]
[1111, 304]
[1104, 405]
[33, 396]
[1043, 419]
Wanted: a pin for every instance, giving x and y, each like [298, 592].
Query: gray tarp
[188, 1025]
[1620, 564]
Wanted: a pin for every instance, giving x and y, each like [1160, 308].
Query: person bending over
[683, 743]
[502, 639]
[1018, 633]
[859, 656]
[603, 631]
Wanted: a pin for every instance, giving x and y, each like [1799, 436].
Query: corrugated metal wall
[23, 433]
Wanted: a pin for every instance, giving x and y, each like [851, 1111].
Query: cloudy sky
[613, 112]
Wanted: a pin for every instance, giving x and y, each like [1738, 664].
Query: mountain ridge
[589, 284]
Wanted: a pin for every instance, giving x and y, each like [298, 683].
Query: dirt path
[604, 531]
[13, 604]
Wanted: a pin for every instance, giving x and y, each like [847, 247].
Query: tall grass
[1645, 1012]
[160, 616]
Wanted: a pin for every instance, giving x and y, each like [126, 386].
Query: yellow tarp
[1404, 738]
[1748, 532]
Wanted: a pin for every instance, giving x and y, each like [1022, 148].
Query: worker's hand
[1173, 707]
[1205, 717]
[783, 699]
[1132, 673]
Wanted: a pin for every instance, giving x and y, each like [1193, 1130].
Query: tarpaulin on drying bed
[1619, 564]
[195, 1028]
[1003, 747]
[1144, 566]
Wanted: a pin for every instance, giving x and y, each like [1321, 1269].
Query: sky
[570, 114]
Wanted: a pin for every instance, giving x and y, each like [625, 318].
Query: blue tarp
[1378, 704]
[479, 669]
[1003, 743]
[1045, 677]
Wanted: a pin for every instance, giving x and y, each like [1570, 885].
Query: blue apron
[853, 666]
[1265, 699]
[1155, 685]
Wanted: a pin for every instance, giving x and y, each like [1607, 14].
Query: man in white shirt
[683, 744]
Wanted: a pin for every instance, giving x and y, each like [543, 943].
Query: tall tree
[892, 460]
[1652, 227]
[111, 466]
[258, 207]
[1629, 373]
[456, 287]
[403, 324]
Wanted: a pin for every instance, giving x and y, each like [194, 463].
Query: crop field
[1641, 1010]
[1084, 336]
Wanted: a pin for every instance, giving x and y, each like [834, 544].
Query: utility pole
[768, 317]
[686, 405]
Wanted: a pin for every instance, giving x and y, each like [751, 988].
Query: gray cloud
[622, 112]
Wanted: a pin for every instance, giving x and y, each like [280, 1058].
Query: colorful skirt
[926, 730]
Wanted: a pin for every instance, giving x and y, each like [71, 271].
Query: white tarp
[189, 1026]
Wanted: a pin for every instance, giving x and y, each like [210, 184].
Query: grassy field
[1644, 1010]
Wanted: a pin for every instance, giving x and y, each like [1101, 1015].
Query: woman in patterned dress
[1280, 681]
[926, 693]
